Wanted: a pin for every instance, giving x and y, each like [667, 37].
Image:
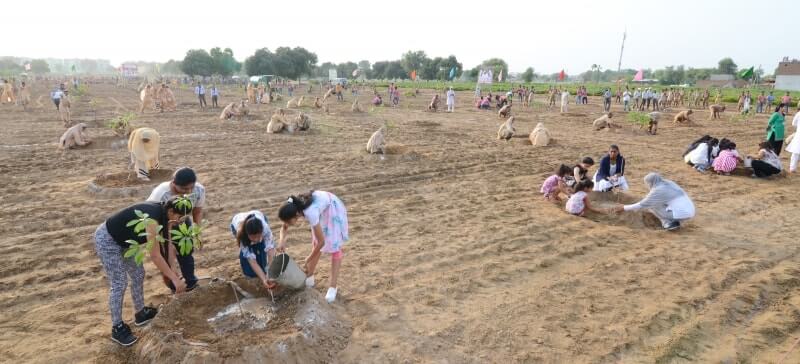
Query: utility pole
[619, 65]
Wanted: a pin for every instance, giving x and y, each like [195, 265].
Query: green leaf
[184, 229]
[140, 214]
[130, 252]
[132, 222]
[139, 258]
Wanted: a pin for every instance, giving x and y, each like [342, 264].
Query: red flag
[562, 75]
[413, 75]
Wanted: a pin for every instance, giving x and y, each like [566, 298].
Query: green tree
[413, 61]
[40, 66]
[727, 66]
[378, 70]
[322, 70]
[197, 63]
[430, 68]
[224, 63]
[495, 64]
[446, 65]
[527, 76]
[260, 63]
[172, 67]
[394, 69]
[8, 65]
[295, 62]
[364, 65]
[346, 69]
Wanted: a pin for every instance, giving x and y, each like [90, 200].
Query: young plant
[187, 237]
[140, 224]
[638, 118]
[121, 125]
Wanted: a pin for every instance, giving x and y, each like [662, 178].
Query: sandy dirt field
[454, 257]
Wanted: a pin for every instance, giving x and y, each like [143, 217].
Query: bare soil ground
[454, 255]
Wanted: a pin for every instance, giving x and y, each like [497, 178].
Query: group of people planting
[179, 203]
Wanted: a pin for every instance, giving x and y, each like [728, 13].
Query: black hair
[184, 176]
[179, 204]
[703, 139]
[614, 147]
[582, 185]
[766, 145]
[294, 206]
[588, 161]
[563, 170]
[725, 143]
[779, 107]
[251, 225]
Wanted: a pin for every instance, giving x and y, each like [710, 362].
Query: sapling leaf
[131, 251]
[131, 223]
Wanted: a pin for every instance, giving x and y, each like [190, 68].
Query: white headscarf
[662, 191]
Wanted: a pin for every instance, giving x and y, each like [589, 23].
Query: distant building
[721, 81]
[129, 70]
[787, 75]
[721, 77]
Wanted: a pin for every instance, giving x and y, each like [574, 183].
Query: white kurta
[794, 145]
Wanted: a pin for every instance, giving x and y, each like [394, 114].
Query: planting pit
[207, 325]
[635, 219]
[108, 142]
[125, 184]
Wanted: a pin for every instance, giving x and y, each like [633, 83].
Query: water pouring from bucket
[286, 272]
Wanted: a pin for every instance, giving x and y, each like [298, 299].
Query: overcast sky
[549, 36]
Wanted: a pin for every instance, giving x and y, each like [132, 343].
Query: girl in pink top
[554, 185]
[728, 158]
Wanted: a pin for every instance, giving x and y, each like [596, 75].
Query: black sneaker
[675, 225]
[145, 315]
[122, 335]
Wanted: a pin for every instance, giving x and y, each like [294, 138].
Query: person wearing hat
[143, 145]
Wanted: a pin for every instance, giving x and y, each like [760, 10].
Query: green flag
[746, 74]
[73, 68]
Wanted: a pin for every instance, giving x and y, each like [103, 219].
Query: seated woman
[728, 158]
[580, 172]
[668, 201]
[611, 173]
[256, 246]
[702, 155]
[377, 100]
[766, 163]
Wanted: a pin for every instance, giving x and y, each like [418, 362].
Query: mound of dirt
[209, 325]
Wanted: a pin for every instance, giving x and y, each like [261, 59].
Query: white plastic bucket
[286, 272]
